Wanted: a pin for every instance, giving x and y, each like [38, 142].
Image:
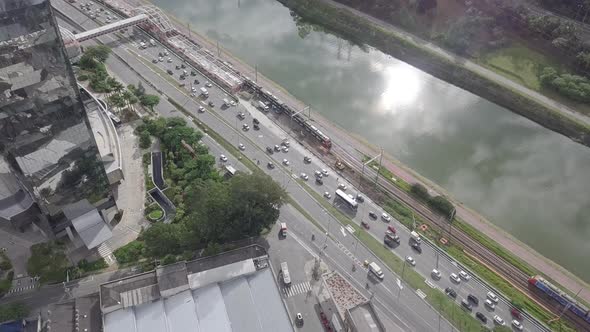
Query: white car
[342, 186]
[201, 109]
[169, 60]
[165, 52]
[455, 278]
[517, 325]
[498, 320]
[223, 158]
[232, 103]
[324, 172]
[318, 174]
[241, 147]
[411, 260]
[386, 217]
[285, 149]
[436, 274]
[304, 176]
[327, 195]
[464, 275]
[207, 84]
[492, 297]
[285, 162]
[488, 303]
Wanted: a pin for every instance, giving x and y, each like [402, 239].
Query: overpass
[112, 27]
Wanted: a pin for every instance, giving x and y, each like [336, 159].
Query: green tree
[13, 311]
[87, 62]
[145, 139]
[420, 191]
[162, 239]
[441, 204]
[41, 253]
[99, 53]
[149, 101]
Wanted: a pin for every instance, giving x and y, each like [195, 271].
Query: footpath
[356, 147]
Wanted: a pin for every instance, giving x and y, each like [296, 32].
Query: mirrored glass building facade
[50, 168]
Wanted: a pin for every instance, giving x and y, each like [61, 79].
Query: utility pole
[363, 169]
[379, 170]
[256, 73]
[218, 52]
[188, 26]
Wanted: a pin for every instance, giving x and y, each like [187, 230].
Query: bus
[285, 274]
[350, 202]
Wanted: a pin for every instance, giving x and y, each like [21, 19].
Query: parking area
[17, 246]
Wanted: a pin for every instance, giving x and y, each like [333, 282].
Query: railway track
[509, 272]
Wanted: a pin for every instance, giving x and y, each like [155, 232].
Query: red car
[391, 229]
[365, 225]
[516, 314]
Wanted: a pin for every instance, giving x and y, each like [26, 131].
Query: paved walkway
[359, 148]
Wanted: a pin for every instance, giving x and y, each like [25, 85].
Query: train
[281, 107]
[560, 296]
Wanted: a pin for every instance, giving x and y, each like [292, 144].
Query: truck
[152, 42]
[415, 236]
[262, 106]
[284, 229]
[285, 274]
[373, 267]
[204, 92]
[391, 239]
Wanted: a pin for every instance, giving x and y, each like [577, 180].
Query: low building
[234, 292]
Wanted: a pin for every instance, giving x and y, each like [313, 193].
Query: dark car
[473, 299]
[359, 198]
[373, 215]
[193, 73]
[516, 314]
[306, 160]
[155, 61]
[481, 317]
[182, 66]
[269, 150]
[416, 247]
[450, 292]
[270, 165]
[196, 82]
[365, 224]
[169, 72]
[466, 305]
[211, 103]
[256, 126]
[319, 181]
[177, 67]
[255, 121]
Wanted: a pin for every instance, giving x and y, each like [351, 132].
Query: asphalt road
[226, 123]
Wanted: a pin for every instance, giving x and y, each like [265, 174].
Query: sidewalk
[355, 146]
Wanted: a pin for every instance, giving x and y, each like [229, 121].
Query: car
[201, 109]
[304, 176]
[177, 67]
[391, 229]
[255, 121]
[464, 275]
[517, 325]
[182, 65]
[285, 143]
[285, 149]
[385, 217]
[324, 172]
[492, 297]
[327, 195]
[193, 94]
[516, 314]
[207, 84]
[455, 278]
[341, 186]
[256, 126]
[277, 148]
[473, 299]
[365, 224]
[466, 305]
[161, 59]
[169, 60]
[245, 127]
[488, 303]
[372, 215]
[359, 198]
[299, 318]
[269, 150]
[411, 260]
[319, 181]
[481, 317]
[196, 82]
[193, 73]
[155, 61]
[450, 292]
[223, 158]
[182, 77]
[318, 174]
[416, 247]
[232, 103]
[306, 160]
[166, 52]
[241, 115]
[211, 103]
[285, 162]
[499, 321]
[393, 237]
[435, 274]
[241, 147]
[169, 72]
[270, 165]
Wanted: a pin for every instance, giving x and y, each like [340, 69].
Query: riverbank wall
[362, 31]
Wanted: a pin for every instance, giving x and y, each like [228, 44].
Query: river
[526, 179]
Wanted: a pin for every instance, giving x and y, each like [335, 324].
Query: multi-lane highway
[340, 243]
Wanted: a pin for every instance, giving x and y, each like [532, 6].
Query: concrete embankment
[410, 50]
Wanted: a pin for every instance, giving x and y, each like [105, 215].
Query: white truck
[204, 92]
[415, 236]
[262, 106]
[373, 267]
[152, 42]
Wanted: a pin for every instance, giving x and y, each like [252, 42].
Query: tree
[41, 253]
[99, 53]
[162, 239]
[149, 101]
[145, 139]
[441, 204]
[13, 311]
[420, 191]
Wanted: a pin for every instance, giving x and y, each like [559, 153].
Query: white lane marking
[342, 231]
[350, 229]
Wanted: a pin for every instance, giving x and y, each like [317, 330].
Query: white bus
[347, 199]
[285, 274]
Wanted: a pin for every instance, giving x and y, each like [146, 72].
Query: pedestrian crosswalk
[297, 289]
[349, 254]
[21, 289]
[105, 252]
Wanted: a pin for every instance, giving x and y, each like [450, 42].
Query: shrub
[13, 311]
[130, 252]
[82, 77]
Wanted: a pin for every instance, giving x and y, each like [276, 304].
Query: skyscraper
[50, 170]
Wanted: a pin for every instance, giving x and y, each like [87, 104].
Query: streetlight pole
[379, 170]
[366, 163]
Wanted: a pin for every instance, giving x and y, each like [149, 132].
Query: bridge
[112, 27]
